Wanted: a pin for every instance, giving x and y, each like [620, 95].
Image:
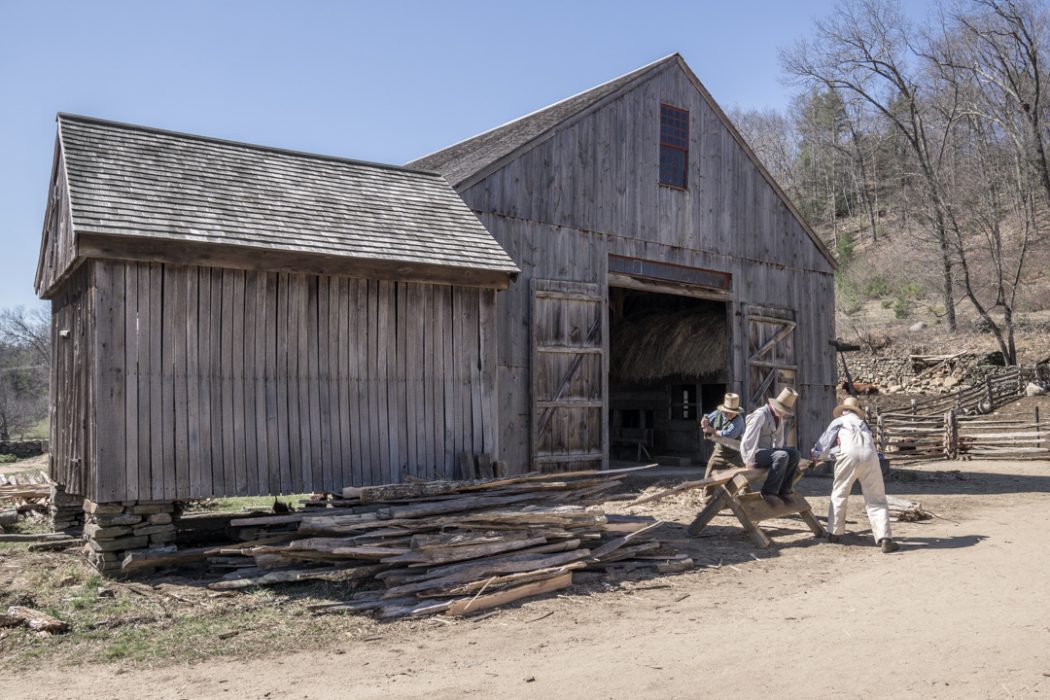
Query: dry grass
[146, 624]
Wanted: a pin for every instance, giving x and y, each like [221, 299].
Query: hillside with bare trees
[918, 150]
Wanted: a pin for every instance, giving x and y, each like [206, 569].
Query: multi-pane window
[674, 146]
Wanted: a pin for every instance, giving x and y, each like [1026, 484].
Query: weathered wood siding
[57, 245]
[590, 189]
[225, 382]
[568, 378]
[71, 424]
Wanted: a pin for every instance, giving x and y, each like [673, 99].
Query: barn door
[568, 375]
[771, 359]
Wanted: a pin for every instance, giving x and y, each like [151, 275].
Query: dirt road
[963, 611]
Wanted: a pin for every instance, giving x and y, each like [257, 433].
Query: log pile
[456, 547]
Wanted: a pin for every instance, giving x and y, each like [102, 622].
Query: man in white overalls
[856, 459]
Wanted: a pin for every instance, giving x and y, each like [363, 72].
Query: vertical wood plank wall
[590, 189]
[58, 251]
[226, 382]
[72, 418]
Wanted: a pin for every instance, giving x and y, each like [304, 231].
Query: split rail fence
[993, 392]
[905, 437]
[952, 427]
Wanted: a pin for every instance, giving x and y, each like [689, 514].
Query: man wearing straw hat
[725, 421]
[856, 460]
[763, 446]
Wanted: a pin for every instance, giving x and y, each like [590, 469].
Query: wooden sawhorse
[750, 508]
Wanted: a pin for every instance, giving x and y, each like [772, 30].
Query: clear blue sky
[382, 81]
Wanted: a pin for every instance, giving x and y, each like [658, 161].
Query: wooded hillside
[918, 150]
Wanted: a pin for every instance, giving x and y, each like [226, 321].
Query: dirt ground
[962, 611]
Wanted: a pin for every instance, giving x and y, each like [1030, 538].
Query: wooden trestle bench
[735, 493]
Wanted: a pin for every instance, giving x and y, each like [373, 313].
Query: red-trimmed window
[674, 146]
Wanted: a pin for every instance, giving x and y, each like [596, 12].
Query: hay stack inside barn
[669, 359]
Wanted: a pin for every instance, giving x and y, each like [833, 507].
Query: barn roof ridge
[141, 193]
[529, 127]
[68, 116]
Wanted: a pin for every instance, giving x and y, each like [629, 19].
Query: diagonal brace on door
[574, 366]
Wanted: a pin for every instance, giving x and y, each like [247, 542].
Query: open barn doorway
[668, 365]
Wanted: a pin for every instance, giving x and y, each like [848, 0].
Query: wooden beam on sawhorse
[751, 509]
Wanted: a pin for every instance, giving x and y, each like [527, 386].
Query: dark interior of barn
[669, 360]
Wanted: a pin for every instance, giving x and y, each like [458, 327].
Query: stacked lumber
[24, 487]
[455, 547]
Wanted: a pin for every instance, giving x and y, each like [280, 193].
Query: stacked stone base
[66, 511]
[114, 529]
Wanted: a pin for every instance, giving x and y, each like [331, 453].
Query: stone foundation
[66, 511]
[114, 529]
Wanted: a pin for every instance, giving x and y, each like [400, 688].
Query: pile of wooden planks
[456, 547]
[24, 487]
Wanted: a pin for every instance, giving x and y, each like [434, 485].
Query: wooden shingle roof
[129, 183]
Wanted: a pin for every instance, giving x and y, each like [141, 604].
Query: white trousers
[860, 466]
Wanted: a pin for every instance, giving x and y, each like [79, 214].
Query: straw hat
[730, 404]
[785, 401]
[849, 404]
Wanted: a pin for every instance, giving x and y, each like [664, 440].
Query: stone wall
[23, 448]
[114, 529]
[66, 510]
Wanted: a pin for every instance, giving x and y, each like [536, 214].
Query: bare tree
[866, 50]
[771, 136]
[1003, 46]
[18, 410]
[993, 212]
[28, 328]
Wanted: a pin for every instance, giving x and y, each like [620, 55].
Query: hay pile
[656, 347]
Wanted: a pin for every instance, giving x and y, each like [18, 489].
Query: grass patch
[159, 621]
[28, 526]
[238, 503]
[38, 431]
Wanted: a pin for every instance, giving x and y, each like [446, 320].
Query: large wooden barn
[237, 320]
[661, 266]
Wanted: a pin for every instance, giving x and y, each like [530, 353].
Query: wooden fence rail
[906, 437]
[994, 391]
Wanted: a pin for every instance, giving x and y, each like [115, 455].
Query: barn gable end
[572, 192]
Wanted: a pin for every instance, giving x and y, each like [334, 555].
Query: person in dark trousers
[763, 446]
[725, 422]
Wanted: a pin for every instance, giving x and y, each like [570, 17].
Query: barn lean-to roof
[469, 161]
[134, 188]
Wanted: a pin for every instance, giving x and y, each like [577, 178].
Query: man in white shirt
[762, 446]
[850, 439]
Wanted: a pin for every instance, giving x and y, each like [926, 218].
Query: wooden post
[880, 430]
[951, 435]
[914, 406]
[988, 392]
[1038, 432]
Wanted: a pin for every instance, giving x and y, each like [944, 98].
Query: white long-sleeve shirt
[828, 442]
[761, 432]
